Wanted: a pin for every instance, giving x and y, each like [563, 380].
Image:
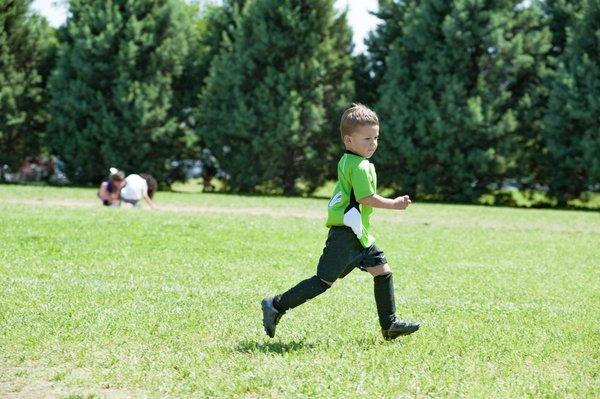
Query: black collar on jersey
[352, 153]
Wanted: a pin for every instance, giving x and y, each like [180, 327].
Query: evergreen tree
[188, 86]
[573, 117]
[531, 43]
[338, 89]
[560, 16]
[277, 80]
[530, 168]
[195, 68]
[457, 80]
[26, 43]
[370, 68]
[210, 25]
[113, 98]
[220, 25]
[362, 75]
[391, 13]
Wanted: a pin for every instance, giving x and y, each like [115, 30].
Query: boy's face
[363, 141]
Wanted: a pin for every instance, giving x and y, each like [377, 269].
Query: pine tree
[338, 89]
[362, 75]
[213, 25]
[188, 86]
[210, 25]
[530, 168]
[369, 68]
[220, 25]
[272, 92]
[26, 45]
[560, 16]
[113, 91]
[573, 117]
[531, 44]
[457, 80]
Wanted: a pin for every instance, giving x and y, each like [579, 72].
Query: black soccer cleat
[399, 328]
[270, 316]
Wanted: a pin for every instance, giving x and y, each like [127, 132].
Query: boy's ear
[347, 139]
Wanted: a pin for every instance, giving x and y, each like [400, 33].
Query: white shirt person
[137, 187]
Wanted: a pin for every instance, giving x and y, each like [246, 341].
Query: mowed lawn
[119, 303]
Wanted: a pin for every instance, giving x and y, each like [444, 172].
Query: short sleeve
[362, 181]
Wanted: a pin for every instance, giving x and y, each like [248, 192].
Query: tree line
[471, 94]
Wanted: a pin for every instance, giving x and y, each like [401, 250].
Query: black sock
[302, 292]
[383, 288]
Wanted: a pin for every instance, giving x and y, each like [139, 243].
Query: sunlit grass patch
[97, 301]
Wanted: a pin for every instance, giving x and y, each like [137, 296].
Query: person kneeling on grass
[109, 190]
[137, 187]
[350, 243]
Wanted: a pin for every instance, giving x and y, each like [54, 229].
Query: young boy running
[350, 243]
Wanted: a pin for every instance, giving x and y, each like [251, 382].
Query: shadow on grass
[370, 342]
[272, 347]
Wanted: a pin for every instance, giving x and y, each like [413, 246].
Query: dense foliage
[26, 50]
[369, 68]
[273, 91]
[113, 91]
[459, 95]
[474, 96]
[573, 119]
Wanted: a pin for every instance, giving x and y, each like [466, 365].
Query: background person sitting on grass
[137, 187]
[109, 189]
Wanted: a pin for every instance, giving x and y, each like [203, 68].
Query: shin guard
[383, 289]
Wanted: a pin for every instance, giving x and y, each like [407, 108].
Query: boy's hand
[377, 201]
[402, 202]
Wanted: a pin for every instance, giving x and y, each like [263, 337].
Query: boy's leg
[275, 307]
[341, 245]
[383, 290]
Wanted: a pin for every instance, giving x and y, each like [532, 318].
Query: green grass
[101, 302]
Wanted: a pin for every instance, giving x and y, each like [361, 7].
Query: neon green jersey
[356, 180]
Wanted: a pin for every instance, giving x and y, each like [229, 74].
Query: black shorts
[130, 201]
[343, 252]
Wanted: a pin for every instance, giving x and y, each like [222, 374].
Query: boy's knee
[379, 270]
[329, 283]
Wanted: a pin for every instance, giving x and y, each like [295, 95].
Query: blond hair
[357, 115]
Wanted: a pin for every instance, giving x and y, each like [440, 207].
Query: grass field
[121, 303]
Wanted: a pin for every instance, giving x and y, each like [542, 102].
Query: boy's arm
[377, 201]
[149, 201]
[103, 193]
